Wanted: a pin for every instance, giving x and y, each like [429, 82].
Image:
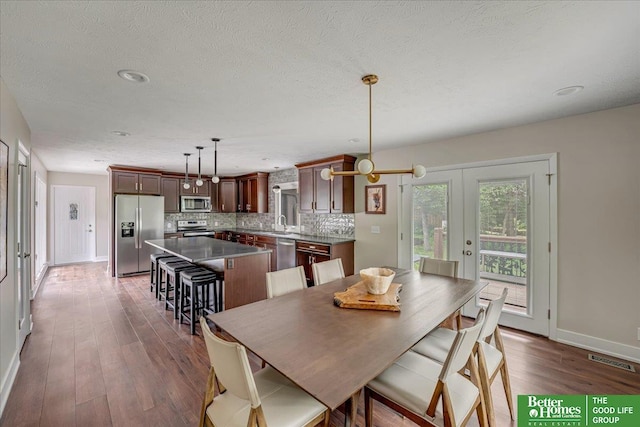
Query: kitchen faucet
[284, 221]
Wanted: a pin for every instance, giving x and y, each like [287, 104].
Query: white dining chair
[415, 384]
[491, 356]
[443, 267]
[263, 399]
[284, 281]
[327, 271]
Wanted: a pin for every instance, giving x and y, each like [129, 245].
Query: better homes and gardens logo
[578, 410]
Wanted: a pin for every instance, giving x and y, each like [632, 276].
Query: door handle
[467, 253]
[27, 255]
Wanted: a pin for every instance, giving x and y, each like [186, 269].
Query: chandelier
[366, 166]
[215, 179]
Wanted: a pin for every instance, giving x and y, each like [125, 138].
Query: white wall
[13, 127]
[101, 184]
[598, 214]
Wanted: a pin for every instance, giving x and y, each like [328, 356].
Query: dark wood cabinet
[171, 193]
[194, 190]
[268, 242]
[306, 190]
[227, 195]
[213, 193]
[309, 253]
[253, 193]
[127, 182]
[331, 196]
[173, 235]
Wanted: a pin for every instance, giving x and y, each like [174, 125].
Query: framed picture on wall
[4, 195]
[375, 201]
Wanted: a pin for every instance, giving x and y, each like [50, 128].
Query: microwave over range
[195, 204]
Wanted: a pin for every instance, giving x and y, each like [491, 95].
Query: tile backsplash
[332, 225]
[214, 220]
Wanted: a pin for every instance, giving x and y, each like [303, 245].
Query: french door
[495, 221]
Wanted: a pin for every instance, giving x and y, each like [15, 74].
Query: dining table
[332, 352]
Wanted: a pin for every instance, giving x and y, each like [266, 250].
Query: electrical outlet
[375, 229]
[169, 226]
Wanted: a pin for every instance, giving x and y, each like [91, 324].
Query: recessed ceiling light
[354, 140]
[120, 133]
[265, 158]
[133, 76]
[99, 160]
[568, 90]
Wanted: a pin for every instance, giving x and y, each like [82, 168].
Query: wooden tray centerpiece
[356, 296]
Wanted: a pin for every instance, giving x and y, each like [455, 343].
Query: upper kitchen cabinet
[253, 193]
[320, 196]
[130, 181]
[227, 195]
[194, 190]
[171, 193]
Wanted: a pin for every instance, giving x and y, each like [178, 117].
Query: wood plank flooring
[104, 352]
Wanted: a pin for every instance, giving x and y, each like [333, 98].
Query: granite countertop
[327, 240]
[199, 249]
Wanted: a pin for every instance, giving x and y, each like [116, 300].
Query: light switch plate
[375, 229]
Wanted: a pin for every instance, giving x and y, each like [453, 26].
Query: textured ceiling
[281, 80]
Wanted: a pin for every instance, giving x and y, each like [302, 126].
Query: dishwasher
[285, 253]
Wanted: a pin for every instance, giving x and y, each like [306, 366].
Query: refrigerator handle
[138, 226]
[140, 229]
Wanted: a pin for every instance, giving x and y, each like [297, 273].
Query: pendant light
[366, 166]
[215, 179]
[199, 181]
[186, 184]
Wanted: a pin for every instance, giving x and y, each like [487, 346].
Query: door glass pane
[503, 241]
[430, 217]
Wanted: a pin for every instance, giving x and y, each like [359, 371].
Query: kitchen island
[244, 267]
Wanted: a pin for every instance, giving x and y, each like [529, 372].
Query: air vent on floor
[615, 363]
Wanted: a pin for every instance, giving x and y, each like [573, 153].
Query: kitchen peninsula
[245, 267]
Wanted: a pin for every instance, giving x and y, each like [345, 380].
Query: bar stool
[153, 276]
[161, 276]
[173, 283]
[217, 266]
[197, 286]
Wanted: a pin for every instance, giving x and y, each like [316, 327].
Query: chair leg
[192, 307]
[152, 273]
[176, 296]
[327, 418]
[166, 289]
[504, 373]
[368, 408]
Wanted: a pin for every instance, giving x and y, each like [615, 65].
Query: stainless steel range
[191, 228]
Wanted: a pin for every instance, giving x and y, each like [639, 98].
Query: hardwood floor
[104, 352]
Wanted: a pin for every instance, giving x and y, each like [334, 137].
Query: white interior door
[23, 260]
[495, 221]
[74, 224]
[40, 230]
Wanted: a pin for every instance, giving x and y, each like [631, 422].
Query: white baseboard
[7, 381]
[101, 258]
[610, 348]
[40, 279]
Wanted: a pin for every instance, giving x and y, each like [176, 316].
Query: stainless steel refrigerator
[138, 218]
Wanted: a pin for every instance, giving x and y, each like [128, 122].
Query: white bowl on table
[377, 279]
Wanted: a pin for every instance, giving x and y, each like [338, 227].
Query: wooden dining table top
[333, 352]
